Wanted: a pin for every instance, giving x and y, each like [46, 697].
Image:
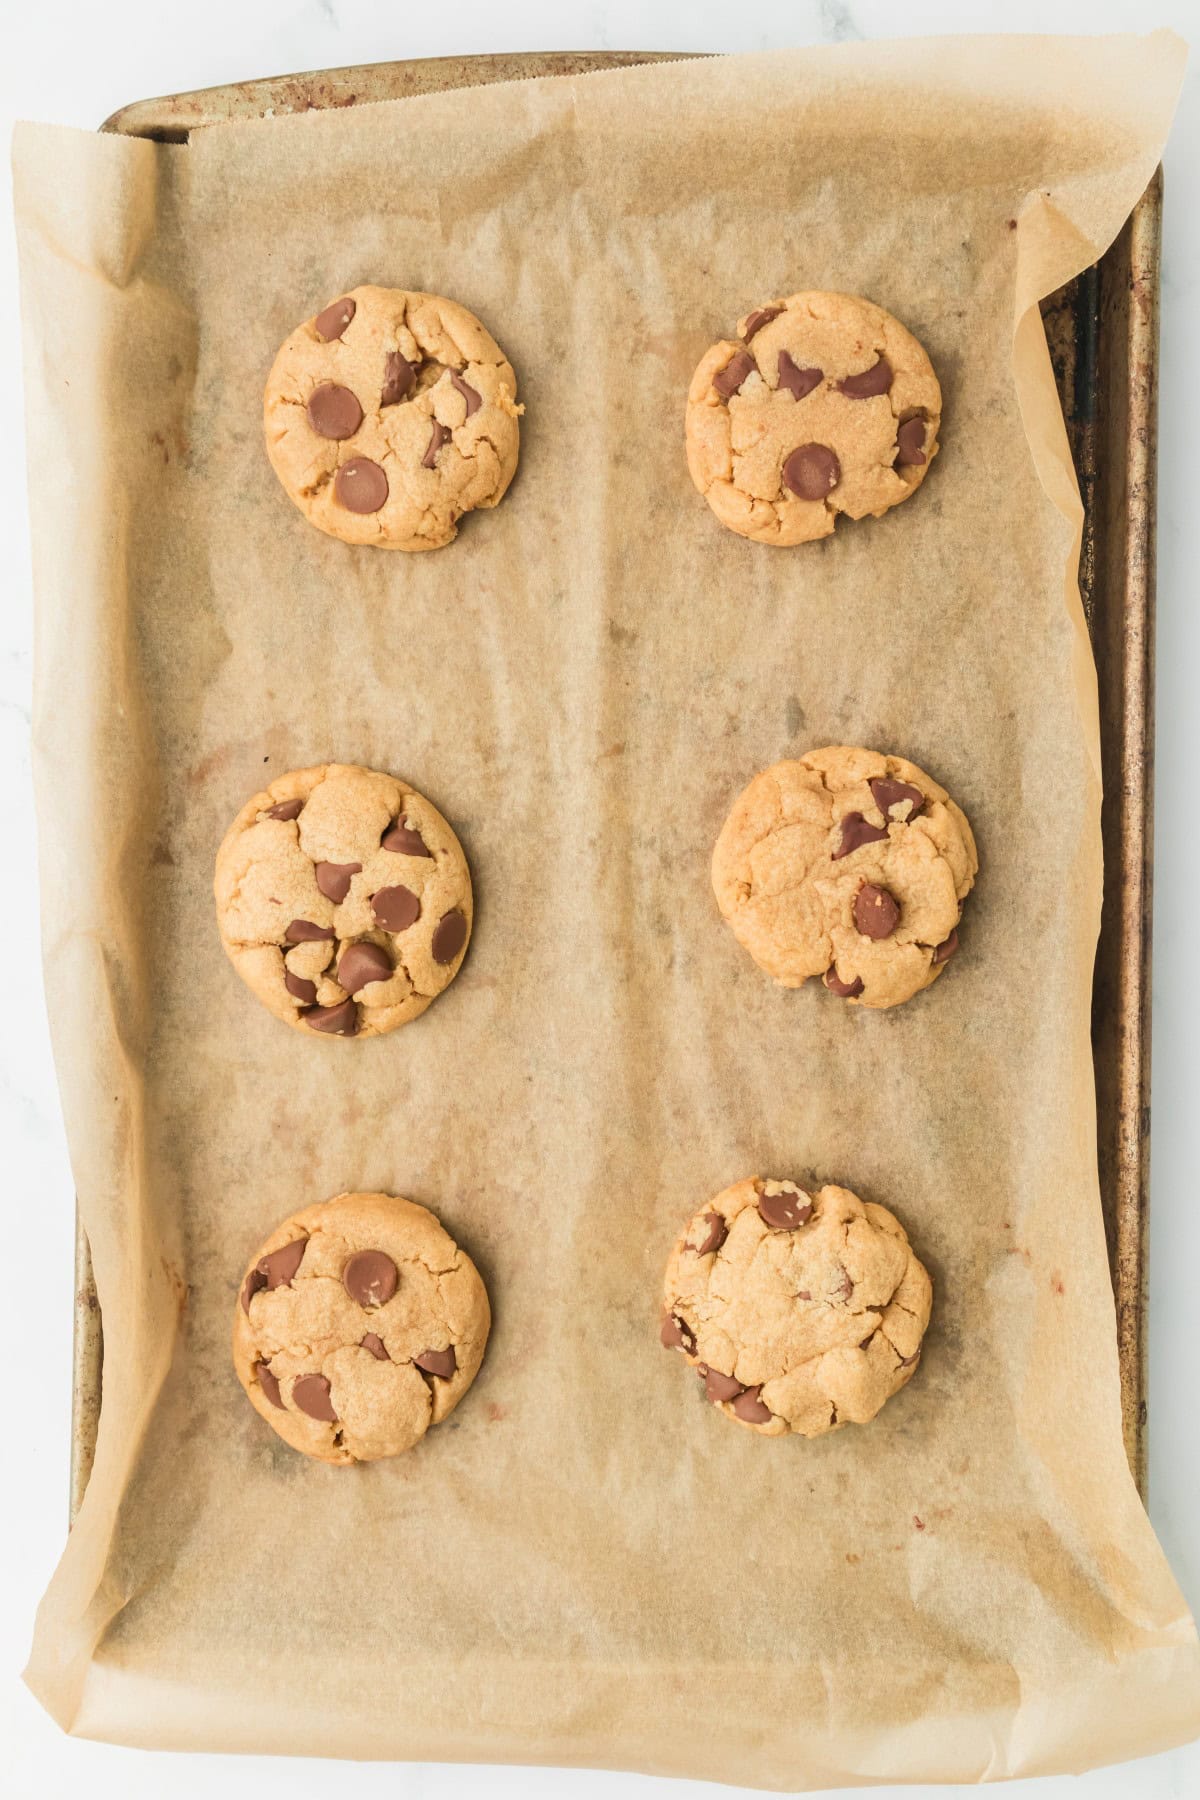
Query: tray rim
[1126, 926]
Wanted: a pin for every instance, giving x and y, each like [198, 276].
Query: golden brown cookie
[389, 416]
[801, 1312]
[823, 404]
[850, 865]
[343, 900]
[359, 1323]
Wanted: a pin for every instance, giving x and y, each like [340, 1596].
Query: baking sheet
[583, 681]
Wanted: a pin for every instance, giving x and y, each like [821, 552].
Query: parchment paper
[587, 1564]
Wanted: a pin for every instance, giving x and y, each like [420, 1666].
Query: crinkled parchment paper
[588, 1564]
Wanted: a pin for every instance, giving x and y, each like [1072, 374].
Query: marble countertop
[74, 62]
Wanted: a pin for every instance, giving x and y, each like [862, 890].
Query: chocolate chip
[730, 378]
[906, 1362]
[437, 437]
[846, 1286]
[333, 879]
[857, 831]
[876, 912]
[795, 380]
[438, 1362]
[677, 1334]
[910, 443]
[402, 840]
[395, 908]
[370, 1277]
[946, 949]
[333, 321]
[361, 964]
[473, 399]
[785, 1211]
[721, 1387]
[758, 319]
[333, 411]
[310, 1393]
[360, 485]
[369, 1341]
[749, 1406]
[303, 931]
[287, 809]
[339, 1021]
[449, 936]
[718, 1231]
[887, 793]
[399, 378]
[812, 471]
[299, 989]
[254, 1283]
[268, 1384]
[280, 1265]
[849, 990]
[875, 380]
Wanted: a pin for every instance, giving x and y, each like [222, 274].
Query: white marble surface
[75, 63]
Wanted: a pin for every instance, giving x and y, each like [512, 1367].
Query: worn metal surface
[1102, 329]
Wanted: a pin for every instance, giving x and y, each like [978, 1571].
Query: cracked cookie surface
[389, 416]
[850, 865]
[799, 1311]
[359, 1323]
[823, 404]
[343, 900]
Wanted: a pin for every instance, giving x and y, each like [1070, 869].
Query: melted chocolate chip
[857, 831]
[299, 989]
[888, 793]
[748, 1405]
[361, 964]
[287, 809]
[333, 411]
[254, 1283]
[370, 1277]
[375, 1344]
[945, 949]
[797, 381]
[303, 931]
[720, 1387]
[729, 379]
[849, 990]
[449, 936]
[333, 879]
[875, 380]
[473, 399]
[677, 1334]
[402, 840]
[785, 1211]
[333, 321]
[876, 912]
[268, 1384]
[910, 443]
[438, 436]
[395, 908]
[715, 1236]
[758, 319]
[280, 1265]
[360, 485]
[310, 1394]
[399, 378]
[337, 1021]
[437, 1362]
[812, 471]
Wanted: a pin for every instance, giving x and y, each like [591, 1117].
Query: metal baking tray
[1102, 329]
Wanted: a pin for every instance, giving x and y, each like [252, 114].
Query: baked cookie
[389, 416]
[343, 900]
[823, 404]
[849, 865]
[800, 1312]
[358, 1325]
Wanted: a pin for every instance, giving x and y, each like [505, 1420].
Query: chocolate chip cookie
[823, 404]
[389, 416]
[849, 865]
[358, 1325]
[799, 1311]
[343, 900]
